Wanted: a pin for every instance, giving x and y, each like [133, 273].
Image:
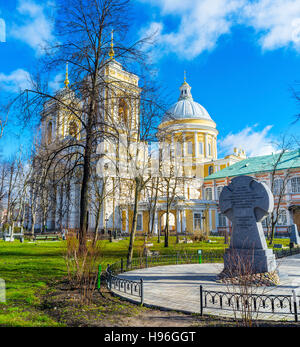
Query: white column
[155, 226]
[183, 145]
[216, 219]
[206, 145]
[215, 148]
[183, 221]
[126, 220]
[178, 222]
[196, 144]
[210, 219]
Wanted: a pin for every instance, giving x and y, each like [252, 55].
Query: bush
[82, 267]
[199, 236]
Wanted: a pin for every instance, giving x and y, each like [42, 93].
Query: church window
[266, 222]
[197, 221]
[190, 147]
[209, 149]
[208, 194]
[73, 130]
[200, 147]
[178, 148]
[221, 220]
[295, 185]
[139, 224]
[282, 217]
[210, 170]
[123, 111]
[219, 191]
[49, 132]
[278, 186]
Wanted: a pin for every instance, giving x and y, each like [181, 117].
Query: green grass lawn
[28, 267]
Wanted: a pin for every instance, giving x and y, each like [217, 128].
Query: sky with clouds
[241, 59]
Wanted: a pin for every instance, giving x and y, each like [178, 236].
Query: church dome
[186, 107]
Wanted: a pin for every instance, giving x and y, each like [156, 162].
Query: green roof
[265, 163]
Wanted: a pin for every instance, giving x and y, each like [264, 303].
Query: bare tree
[83, 30]
[278, 186]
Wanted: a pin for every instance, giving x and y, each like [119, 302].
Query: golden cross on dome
[67, 77]
[111, 52]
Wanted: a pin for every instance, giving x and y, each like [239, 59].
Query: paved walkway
[177, 287]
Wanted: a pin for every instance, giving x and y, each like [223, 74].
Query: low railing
[169, 259]
[235, 302]
[136, 288]
[286, 252]
[122, 285]
[252, 303]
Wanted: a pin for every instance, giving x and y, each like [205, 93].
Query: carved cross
[246, 203]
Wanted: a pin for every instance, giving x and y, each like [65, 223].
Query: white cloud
[2, 30]
[201, 23]
[276, 21]
[15, 81]
[34, 26]
[56, 83]
[255, 142]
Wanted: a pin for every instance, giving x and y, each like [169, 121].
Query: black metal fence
[122, 285]
[252, 303]
[136, 288]
[217, 300]
[169, 259]
[286, 252]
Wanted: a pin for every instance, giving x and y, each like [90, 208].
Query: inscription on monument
[246, 203]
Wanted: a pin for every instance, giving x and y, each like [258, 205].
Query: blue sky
[241, 59]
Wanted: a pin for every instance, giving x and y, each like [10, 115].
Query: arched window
[123, 111]
[139, 223]
[221, 220]
[197, 221]
[209, 149]
[219, 191]
[266, 222]
[49, 133]
[208, 194]
[295, 185]
[278, 186]
[282, 217]
[73, 128]
[210, 170]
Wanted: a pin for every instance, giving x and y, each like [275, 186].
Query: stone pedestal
[246, 261]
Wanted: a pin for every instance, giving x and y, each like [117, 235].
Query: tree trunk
[84, 196]
[134, 222]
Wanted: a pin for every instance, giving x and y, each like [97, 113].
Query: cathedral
[173, 168]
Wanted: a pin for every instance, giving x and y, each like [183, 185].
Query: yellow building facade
[174, 168]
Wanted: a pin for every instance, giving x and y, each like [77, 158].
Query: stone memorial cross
[246, 203]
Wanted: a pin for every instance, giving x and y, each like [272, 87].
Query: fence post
[142, 292]
[109, 277]
[201, 301]
[200, 255]
[295, 305]
[99, 277]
